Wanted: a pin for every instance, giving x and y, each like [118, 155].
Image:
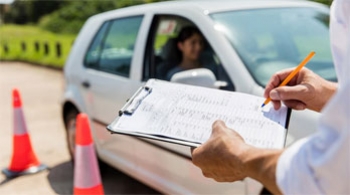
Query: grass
[13, 36]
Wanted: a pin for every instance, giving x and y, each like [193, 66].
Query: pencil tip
[262, 105]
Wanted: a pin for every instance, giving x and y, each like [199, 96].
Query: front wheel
[70, 124]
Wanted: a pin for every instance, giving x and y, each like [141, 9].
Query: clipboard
[152, 88]
[133, 103]
[130, 107]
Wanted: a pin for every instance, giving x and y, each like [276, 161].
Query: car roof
[213, 6]
[210, 6]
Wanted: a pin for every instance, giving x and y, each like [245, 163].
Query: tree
[326, 2]
[23, 12]
[71, 17]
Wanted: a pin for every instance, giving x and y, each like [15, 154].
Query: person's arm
[225, 157]
[305, 90]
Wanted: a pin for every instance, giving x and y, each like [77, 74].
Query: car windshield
[269, 40]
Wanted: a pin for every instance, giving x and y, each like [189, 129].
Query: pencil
[292, 74]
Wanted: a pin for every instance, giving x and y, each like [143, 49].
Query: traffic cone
[87, 179]
[24, 160]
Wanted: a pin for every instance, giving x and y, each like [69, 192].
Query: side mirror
[199, 76]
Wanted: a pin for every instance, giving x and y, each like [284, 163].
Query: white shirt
[320, 164]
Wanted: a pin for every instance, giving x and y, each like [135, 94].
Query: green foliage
[60, 21]
[326, 2]
[71, 17]
[23, 12]
[13, 36]
[61, 16]
[64, 23]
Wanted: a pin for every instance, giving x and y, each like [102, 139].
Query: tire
[70, 124]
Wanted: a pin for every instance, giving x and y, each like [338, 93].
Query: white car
[246, 42]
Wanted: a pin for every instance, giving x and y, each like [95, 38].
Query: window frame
[102, 43]
[96, 66]
[149, 65]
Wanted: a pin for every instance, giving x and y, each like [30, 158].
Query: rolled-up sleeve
[320, 164]
[315, 166]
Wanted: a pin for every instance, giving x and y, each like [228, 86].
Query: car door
[172, 162]
[108, 77]
[160, 52]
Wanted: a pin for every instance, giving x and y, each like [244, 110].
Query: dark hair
[187, 32]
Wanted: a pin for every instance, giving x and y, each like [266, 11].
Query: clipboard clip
[133, 103]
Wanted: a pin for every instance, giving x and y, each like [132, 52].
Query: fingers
[297, 92]
[279, 77]
[192, 149]
[222, 178]
[293, 97]
[275, 80]
[276, 104]
[218, 152]
[294, 104]
[196, 154]
[218, 126]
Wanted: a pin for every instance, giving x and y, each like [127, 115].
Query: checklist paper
[184, 114]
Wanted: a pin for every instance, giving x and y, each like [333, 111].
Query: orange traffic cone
[24, 160]
[87, 179]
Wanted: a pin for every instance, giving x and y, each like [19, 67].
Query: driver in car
[190, 44]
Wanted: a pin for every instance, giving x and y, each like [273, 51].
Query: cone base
[96, 190]
[31, 170]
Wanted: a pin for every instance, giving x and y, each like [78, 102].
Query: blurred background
[42, 32]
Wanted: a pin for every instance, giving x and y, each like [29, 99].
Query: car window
[165, 51]
[269, 40]
[113, 47]
[93, 54]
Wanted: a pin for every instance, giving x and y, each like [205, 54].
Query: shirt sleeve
[320, 164]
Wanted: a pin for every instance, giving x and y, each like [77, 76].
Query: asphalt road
[41, 89]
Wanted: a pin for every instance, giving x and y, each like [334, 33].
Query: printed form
[186, 113]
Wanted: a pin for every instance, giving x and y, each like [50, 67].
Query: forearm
[260, 164]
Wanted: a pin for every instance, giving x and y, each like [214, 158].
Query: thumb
[297, 92]
[218, 126]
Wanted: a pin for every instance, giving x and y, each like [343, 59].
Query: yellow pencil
[292, 74]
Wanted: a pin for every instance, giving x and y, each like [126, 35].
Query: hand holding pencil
[305, 89]
[292, 74]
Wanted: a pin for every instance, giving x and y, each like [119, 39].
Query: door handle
[85, 84]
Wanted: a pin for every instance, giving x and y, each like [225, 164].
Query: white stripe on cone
[86, 162]
[19, 125]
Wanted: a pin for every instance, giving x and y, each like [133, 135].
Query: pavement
[41, 89]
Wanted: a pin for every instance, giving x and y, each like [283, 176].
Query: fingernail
[274, 95]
